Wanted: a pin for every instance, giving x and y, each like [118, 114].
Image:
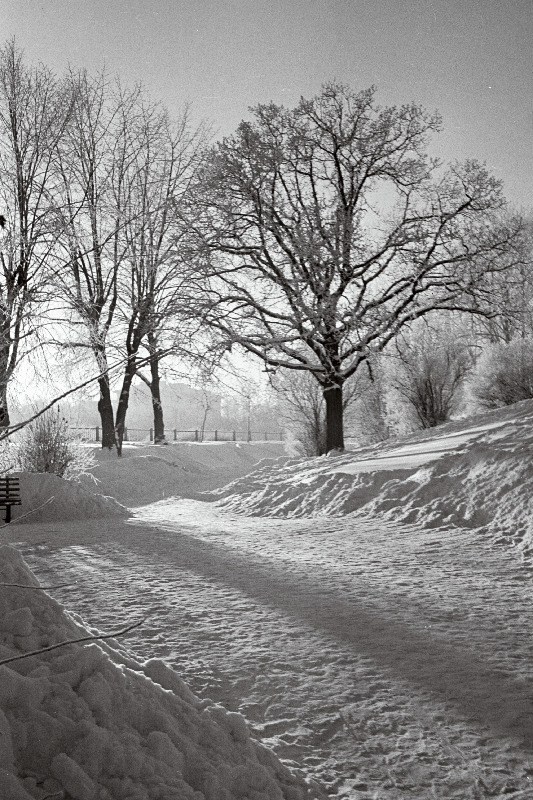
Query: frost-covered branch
[28, 513]
[37, 588]
[95, 638]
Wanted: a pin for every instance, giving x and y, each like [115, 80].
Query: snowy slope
[88, 722]
[46, 498]
[478, 473]
[387, 661]
[147, 473]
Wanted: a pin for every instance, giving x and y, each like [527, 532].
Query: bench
[9, 494]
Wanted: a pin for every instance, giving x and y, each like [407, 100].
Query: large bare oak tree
[327, 229]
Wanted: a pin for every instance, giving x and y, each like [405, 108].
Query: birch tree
[327, 229]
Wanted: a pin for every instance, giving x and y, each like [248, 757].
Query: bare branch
[37, 588]
[95, 638]
[28, 513]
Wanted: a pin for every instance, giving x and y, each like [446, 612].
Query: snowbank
[88, 722]
[478, 474]
[148, 473]
[64, 500]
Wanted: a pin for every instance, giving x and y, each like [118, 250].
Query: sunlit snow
[372, 627]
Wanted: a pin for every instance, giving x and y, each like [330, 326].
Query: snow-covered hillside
[477, 473]
[385, 660]
[147, 473]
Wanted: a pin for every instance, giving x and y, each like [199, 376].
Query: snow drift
[148, 473]
[88, 722]
[478, 473]
[47, 498]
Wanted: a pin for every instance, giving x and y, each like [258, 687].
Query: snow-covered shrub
[303, 410]
[367, 416]
[504, 374]
[431, 366]
[8, 457]
[48, 446]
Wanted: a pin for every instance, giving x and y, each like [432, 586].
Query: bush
[47, 446]
[431, 369]
[303, 410]
[504, 374]
[367, 418]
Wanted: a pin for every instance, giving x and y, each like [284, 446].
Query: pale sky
[470, 59]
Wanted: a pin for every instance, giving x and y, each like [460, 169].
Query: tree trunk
[207, 408]
[157, 406]
[4, 411]
[334, 417]
[105, 409]
[123, 401]
[5, 374]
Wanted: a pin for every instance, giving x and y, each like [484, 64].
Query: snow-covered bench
[9, 494]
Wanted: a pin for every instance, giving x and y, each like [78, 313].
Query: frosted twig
[74, 641]
[37, 588]
[28, 513]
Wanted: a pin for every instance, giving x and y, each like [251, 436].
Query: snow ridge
[458, 475]
[89, 722]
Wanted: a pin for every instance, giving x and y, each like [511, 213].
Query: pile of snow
[88, 722]
[478, 473]
[46, 498]
[148, 473]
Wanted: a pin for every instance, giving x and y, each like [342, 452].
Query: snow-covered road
[388, 662]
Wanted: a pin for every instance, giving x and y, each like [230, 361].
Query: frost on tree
[32, 118]
[327, 229]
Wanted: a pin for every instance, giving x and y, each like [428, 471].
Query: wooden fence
[93, 434]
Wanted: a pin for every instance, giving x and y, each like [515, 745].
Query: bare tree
[154, 384]
[157, 307]
[33, 114]
[433, 362]
[207, 405]
[92, 163]
[303, 407]
[303, 271]
[176, 347]
[504, 373]
[512, 299]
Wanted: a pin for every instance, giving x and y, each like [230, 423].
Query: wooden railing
[93, 434]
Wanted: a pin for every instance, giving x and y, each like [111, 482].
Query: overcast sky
[470, 59]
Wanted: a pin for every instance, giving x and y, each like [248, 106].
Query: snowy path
[388, 662]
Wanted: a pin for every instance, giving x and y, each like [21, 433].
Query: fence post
[151, 434]
[175, 435]
[97, 433]
[125, 434]
[196, 435]
[234, 436]
[249, 435]
[216, 436]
